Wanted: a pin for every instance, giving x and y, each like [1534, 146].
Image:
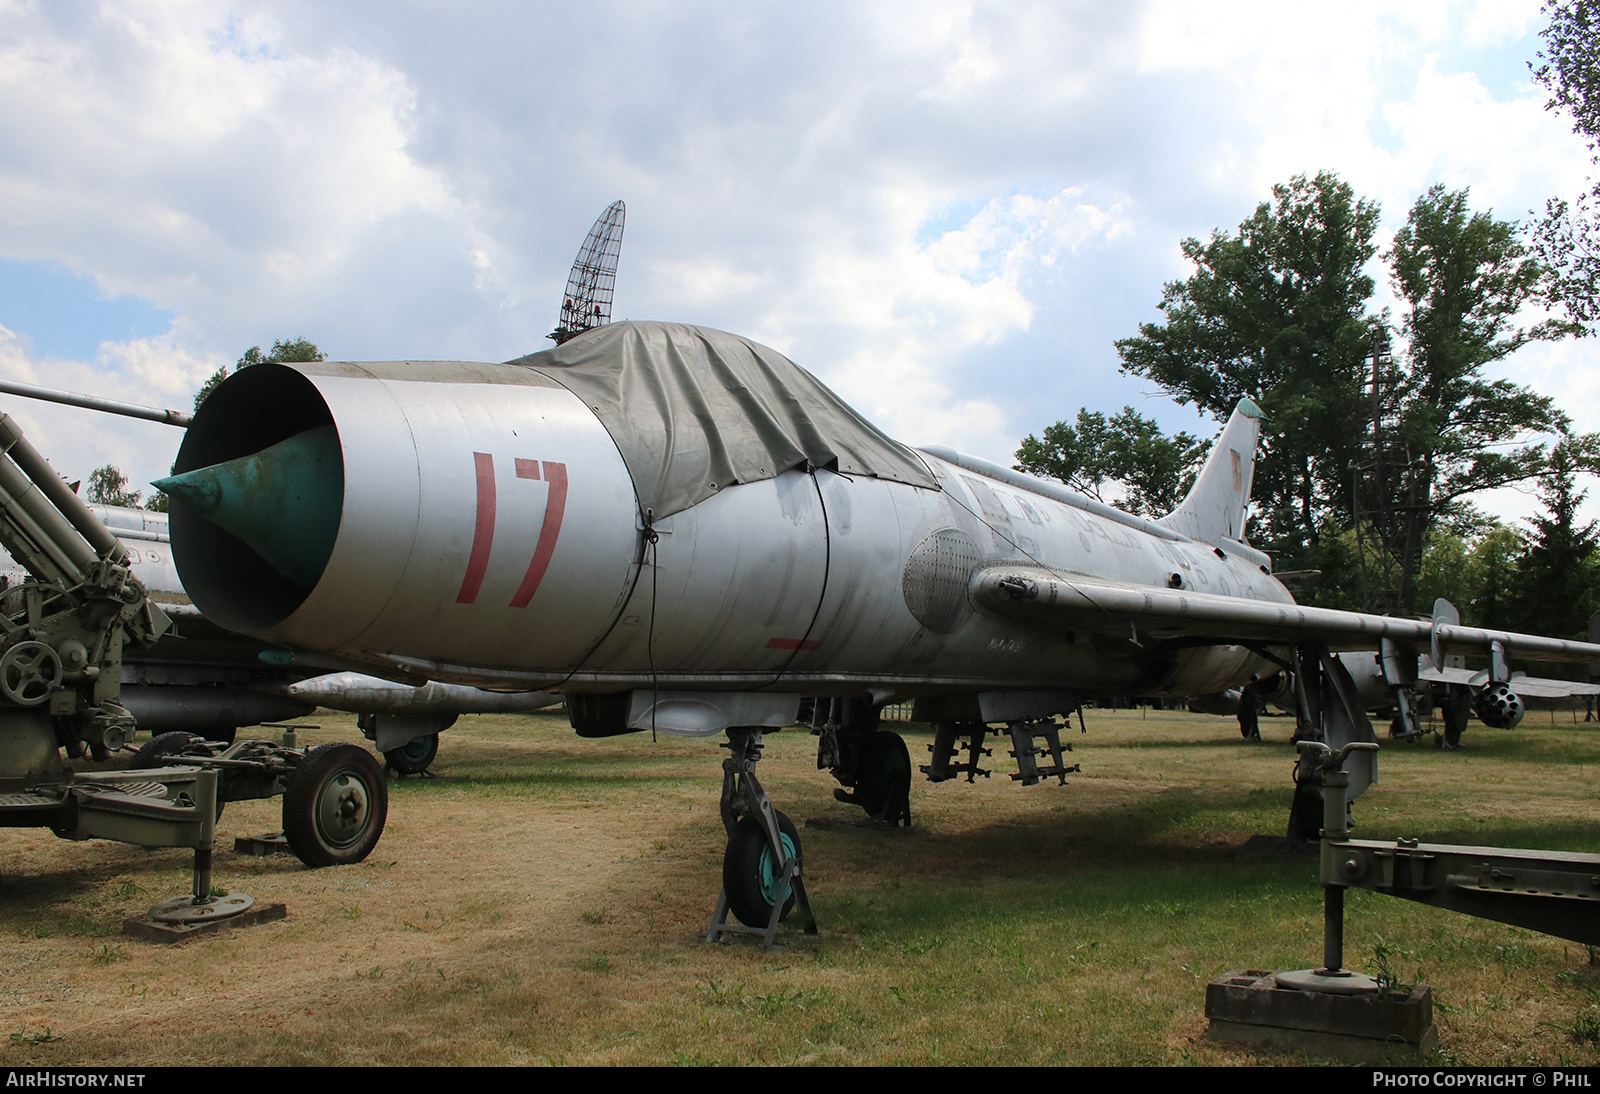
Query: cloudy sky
[948, 211]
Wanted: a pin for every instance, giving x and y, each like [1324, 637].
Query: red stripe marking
[554, 509]
[793, 644]
[482, 532]
[527, 469]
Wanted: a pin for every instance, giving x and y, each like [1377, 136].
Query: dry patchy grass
[545, 899]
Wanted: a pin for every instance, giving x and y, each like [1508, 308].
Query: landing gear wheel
[1457, 711]
[750, 877]
[414, 757]
[883, 786]
[335, 805]
[28, 672]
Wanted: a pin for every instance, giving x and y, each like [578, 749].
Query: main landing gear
[874, 763]
[761, 879]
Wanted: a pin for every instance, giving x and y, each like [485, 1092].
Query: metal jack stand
[1554, 892]
[1330, 1010]
[1336, 1012]
[743, 800]
[1320, 765]
[201, 911]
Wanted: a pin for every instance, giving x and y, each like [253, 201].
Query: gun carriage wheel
[335, 805]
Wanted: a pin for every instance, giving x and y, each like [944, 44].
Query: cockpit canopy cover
[695, 410]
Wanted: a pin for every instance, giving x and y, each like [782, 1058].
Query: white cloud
[949, 210]
[175, 154]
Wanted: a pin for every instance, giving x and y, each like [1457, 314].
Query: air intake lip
[246, 565]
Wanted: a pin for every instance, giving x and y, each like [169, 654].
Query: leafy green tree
[1278, 313]
[1448, 571]
[1154, 470]
[1567, 238]
[1494, 579]
[109, 486]
[1555, 590]
[296, 349]
[1331, 568]
[1464, 278]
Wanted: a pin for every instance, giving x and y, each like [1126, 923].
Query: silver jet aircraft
[682, 530]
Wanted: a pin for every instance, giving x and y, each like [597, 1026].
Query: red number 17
[483, 531]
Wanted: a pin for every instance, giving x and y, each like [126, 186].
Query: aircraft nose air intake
[283, 502]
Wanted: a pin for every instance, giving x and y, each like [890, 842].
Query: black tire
[1457, 712]
[158, 748]
[884, 776]
[154, 753]
[748, 868]
[335, 805]
[414, 757]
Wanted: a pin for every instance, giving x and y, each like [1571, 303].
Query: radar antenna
[594, 277]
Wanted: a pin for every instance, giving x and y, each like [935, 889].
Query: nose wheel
[755, 881]
[761, 869]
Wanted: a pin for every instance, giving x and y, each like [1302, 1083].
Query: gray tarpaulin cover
[695, 411]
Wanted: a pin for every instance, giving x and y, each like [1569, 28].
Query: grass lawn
[544, 901]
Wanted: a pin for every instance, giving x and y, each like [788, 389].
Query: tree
[1464, 278]
[297, 349]
[1154, 470]
[1277, 313]
[109, 486]
[1555, 588]
[1566, 239]
[1494, 577]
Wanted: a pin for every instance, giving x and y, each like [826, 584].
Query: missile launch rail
[62, 636]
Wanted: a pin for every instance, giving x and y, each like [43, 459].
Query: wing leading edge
[1041, 599]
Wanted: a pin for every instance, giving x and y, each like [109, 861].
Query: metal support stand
[1330, 1010]
[1338, 1012]
[743, 800]
[1321, 768]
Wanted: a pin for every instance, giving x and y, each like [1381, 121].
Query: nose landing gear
[761, 878]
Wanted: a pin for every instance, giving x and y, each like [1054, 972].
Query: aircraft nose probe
[283, 502]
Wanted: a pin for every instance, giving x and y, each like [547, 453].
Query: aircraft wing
[1046, 600]
[1540, 687]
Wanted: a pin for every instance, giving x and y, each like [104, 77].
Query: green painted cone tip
[1248, 408]
[193, 488]
[284, 502]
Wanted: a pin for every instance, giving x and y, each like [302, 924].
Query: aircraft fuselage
[490, 533]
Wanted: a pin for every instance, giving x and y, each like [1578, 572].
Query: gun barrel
[95, 402]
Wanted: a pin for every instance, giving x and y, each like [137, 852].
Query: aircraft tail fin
[1214, 509]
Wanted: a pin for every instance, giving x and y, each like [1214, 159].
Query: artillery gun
[62, 638]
